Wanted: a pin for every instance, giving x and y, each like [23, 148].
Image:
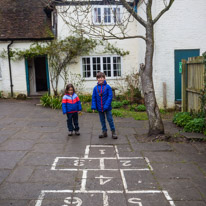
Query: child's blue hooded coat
[102, 97]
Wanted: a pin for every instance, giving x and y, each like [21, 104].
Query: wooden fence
[193, 72]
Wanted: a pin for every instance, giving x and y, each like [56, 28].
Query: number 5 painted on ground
[77, 201]
[135, 201]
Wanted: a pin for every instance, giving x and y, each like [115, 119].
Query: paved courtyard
[41, 166]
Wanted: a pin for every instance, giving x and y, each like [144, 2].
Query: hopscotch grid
[102, 168]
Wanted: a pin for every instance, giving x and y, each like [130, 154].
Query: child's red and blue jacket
[102, 97]
[71, 104]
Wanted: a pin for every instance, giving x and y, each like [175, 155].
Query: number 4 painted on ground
[103, 180]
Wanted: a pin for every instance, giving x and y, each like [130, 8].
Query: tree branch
[125, 37]
[132, 12]
[163, 11]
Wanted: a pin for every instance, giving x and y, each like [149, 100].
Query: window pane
[97, 15]
[107, 15]
[116, 66]
[86, 67]
[96, 65]
[107, 66]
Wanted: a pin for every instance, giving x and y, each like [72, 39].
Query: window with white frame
[110, 65]
[107, 14]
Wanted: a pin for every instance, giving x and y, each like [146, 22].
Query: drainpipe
[9, 59]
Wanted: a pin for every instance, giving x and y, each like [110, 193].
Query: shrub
[141, 108]
[45, 100]
[85, 98]
[117, 113]
[125, 102]
[56, 102]
[116, 104]
[133, 107]
[89, 110]
[195, 125]
[182, 118]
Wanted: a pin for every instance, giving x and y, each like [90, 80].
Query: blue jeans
[109, 119]
[72, 121]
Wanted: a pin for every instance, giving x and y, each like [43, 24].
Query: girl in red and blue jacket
[71, 106]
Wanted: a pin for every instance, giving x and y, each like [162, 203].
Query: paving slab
[41, 165]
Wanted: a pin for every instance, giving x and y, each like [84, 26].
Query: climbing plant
[62, 53]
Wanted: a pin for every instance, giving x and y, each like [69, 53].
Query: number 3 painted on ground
[135, 201]
[77, 201]
[79, 163]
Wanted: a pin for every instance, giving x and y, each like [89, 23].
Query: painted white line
[73, 169]
[117, 152]
[144, 191]
[102, 167]
[101, 145]
[105, 199]
[124, 180]
[98, 158]
[167, 196]
[148, 163]
[53, 167]
[40, 199]
[86, 153]
[84, 181]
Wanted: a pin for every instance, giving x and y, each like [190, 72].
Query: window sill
[108, 78]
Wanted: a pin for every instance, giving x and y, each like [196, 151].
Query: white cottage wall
[17, 68]
[129, 62]
[182, 27]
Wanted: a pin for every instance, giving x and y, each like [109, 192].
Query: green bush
[116, 104]
[55, 102]
[182, 118]
[117, 113]
[85, 98]
[45, 100]
[89, 110]
[125, 102]
[141, 108]
[195, 125]
[133, 107]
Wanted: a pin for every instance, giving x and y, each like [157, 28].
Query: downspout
[9, 59]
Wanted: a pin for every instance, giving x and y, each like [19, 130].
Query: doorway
[179, 55]
[37, 75]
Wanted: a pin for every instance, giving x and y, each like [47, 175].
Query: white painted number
[102, 151]
[135, 201]
[103, 180]
[78, 162]
[76, 201]
[126, 163]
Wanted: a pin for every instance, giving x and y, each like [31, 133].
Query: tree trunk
[155, 121]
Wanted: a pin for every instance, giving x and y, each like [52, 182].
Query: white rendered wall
[17, 68]
[129, 62]
[182, 27]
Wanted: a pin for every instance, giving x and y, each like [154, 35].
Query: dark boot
[77, 133]
[114, 135]
[103, 135]
[70, 133]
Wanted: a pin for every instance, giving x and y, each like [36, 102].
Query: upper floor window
[107, 14]
[110, 65]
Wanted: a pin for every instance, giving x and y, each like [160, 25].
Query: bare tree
[78, 16]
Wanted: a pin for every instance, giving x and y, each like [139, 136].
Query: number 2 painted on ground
[126, 163]
[77, 201]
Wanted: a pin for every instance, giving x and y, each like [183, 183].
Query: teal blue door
[179, 55]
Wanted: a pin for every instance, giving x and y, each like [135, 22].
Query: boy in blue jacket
[101, 101]
[71, 106]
